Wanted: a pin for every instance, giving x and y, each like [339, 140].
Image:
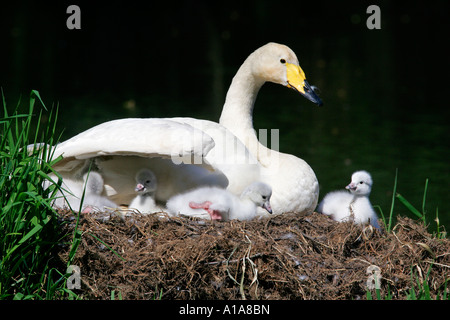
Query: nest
[284, 257]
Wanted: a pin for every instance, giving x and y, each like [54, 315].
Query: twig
[402, 243]
[438, 264]
[254, 267]
[241, 285]
[227, 261]
[180, 223]
[245, 258]
[257, 255]
[304, 235]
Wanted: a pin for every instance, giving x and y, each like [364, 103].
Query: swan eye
[361, 182]
[148, 181]
[264, 197]
[282, 61]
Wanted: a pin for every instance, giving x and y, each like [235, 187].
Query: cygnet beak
[139, 187]
[351, 186]
[266, 205]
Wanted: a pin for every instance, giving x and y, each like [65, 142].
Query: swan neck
[237, 113]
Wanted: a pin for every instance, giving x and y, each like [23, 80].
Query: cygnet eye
[148, 181]
[361, 182]
[282, 61]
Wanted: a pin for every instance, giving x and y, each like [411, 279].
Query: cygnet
[93, 201]
[219, 204]
[71, 194]
[68, 196]
[354, 205]
[144, 202]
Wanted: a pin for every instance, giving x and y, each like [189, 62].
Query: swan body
[186, 153]
[144, 202]
[354, 205]
[218, 204]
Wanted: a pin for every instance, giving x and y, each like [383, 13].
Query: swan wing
[118, 149]
[135, 137]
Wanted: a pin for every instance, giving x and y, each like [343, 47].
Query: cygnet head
[278, 63]
[259, 193]
[93, 182]
[146, 181]
[361, 183]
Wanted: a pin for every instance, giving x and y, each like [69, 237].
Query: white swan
[295, 186]
[144, 202]
[356, 206]
[230, 154]
[218, 204]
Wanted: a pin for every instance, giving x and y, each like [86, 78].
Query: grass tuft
[29, 231]
[388, 221]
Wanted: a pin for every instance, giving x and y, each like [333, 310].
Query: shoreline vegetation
[143, 257]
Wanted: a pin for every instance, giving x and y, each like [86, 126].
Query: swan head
[259, 193]
[278, 63]
[361, 183]
[93, 182]
[146, 181]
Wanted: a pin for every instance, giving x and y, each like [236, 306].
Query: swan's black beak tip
[310, 94]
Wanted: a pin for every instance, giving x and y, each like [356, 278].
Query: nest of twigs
[284, 257]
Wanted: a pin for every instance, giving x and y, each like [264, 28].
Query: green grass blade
[409, 206]
[389, 225]
[381, 213]
[35, 94]
[111, 249]
[424, 199]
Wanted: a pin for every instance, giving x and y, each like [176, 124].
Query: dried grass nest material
[284, 257]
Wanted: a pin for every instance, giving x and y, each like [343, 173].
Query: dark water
[384, 90]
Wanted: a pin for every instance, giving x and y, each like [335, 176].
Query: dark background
[384, 90]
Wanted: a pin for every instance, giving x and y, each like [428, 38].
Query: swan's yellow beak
[297, 80]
